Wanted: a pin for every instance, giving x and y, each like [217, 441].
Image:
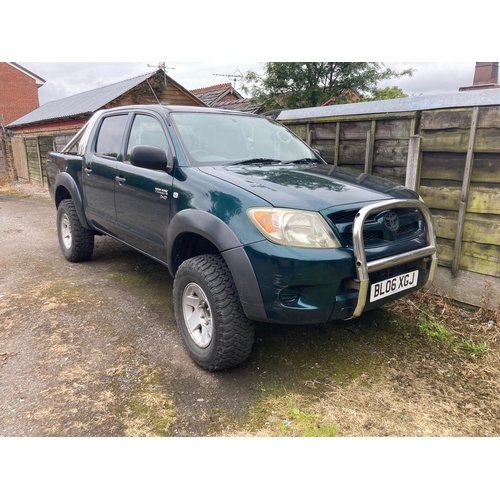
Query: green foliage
[308, 84]
[307, 426]
[152, 86]
[387, 93]
[472, 348]
[433, 329]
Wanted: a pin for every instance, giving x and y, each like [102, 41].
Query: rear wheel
[214, 328]
[76, 242]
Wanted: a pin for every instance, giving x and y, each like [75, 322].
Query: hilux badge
[162, 192]
[391, 220]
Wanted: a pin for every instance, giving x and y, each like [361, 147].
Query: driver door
[142, 196]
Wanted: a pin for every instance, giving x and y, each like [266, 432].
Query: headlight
[294, 228]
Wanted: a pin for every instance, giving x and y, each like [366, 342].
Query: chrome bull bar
[363, 268]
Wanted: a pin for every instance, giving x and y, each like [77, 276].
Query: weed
[472, 348]
[279, 416]
[434, 329]
[308, 425]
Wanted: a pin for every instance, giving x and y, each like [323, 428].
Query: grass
[434, 329]
[309, 426]
[474, 348]
[280, 416]
[419, 367]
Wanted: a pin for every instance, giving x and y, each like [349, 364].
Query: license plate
[394, 285]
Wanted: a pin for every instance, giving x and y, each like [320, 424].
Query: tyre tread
[82, 246]
[236, 331]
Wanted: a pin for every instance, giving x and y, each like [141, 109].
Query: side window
[146, 131]
[109, 140]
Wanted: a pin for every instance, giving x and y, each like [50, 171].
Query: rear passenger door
[99, 172]
[142, 196]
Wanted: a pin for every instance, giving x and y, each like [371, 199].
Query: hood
[309, 187]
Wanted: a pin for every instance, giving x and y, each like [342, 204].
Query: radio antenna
[237, 75]
[163, 67]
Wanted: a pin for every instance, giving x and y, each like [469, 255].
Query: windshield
[213, 138]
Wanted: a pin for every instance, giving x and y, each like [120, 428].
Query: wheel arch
[66, 188]
[195, 225]
[193, 232]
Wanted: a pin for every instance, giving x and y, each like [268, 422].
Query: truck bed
[61, 162]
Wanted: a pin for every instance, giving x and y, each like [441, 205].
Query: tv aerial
[237, 75]
[163, 67]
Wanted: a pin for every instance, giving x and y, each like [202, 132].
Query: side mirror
[149, 157]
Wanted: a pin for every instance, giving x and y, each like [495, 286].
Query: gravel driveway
[92, 349]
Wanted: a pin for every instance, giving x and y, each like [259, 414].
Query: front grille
[375, 231]
[346, 217]
[408, 229]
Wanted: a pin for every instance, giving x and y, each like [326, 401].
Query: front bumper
[307, 286]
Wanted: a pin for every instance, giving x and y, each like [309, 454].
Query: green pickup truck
[250, 221]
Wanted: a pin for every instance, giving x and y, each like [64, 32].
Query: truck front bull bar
[364, 268]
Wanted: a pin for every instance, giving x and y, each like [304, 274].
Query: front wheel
[214, 328]
[76, 242]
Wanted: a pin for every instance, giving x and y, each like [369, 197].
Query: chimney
[485, 77]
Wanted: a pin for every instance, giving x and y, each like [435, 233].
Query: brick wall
[18, 93]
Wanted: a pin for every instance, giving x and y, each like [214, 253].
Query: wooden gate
[36, 152]
[20, 161]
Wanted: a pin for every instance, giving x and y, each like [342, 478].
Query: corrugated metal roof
[471, 98]
[79, 104]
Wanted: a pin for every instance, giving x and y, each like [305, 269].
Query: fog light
[289, 295]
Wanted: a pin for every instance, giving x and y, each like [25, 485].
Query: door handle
[120, 179]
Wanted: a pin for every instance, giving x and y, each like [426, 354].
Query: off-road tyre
[76, 242]
[206, 282]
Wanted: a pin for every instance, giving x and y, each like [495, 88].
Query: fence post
[413, 163]
[39, 160]
[337, 144]
[370, 146]
[465, 192]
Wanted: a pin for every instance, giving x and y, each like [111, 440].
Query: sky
[445, 41]
[63, 79]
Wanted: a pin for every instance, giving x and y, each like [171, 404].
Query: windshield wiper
[302, 160]
[251, 161]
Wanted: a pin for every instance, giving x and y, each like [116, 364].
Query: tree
[308, 84]
[387, 93]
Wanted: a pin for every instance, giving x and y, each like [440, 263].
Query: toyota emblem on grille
[391, 220]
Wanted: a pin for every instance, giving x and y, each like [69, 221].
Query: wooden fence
[3, 169]
[36, 154]
[460, 181]
[30, 155]
[451, 157]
